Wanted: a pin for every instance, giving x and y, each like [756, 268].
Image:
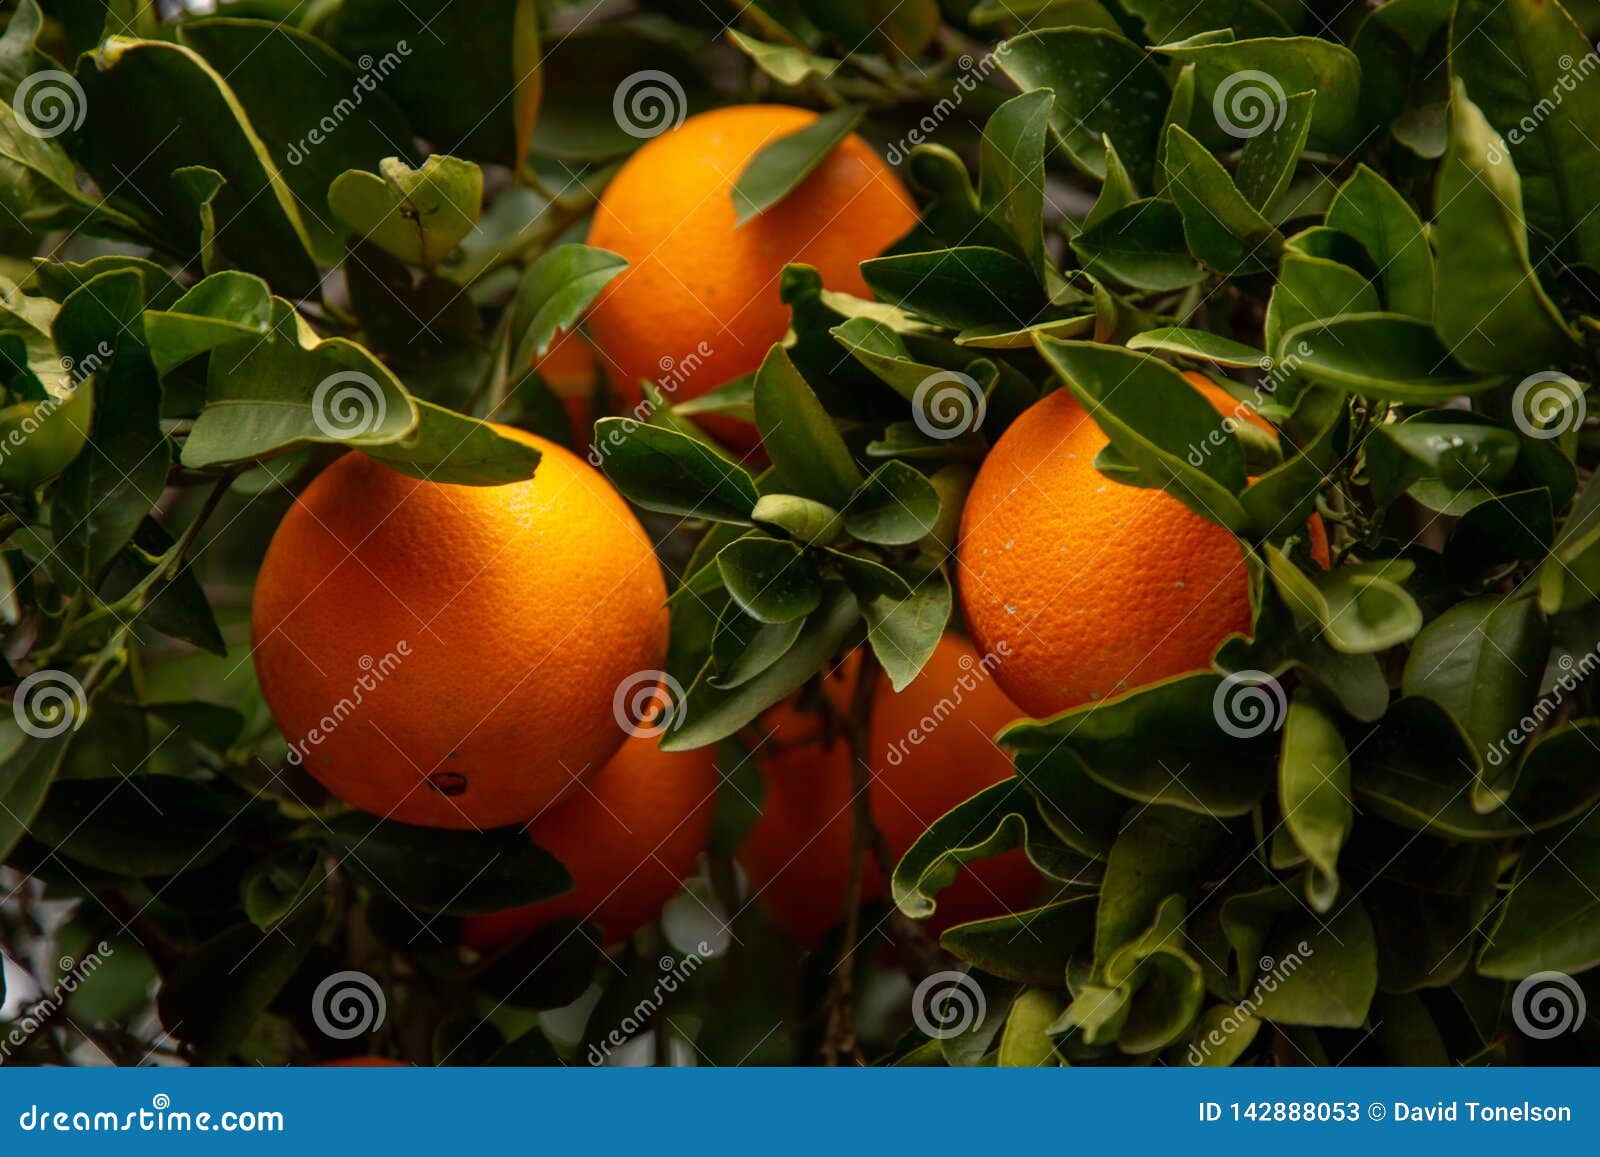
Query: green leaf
[1224, 230]
[770, 579]
[712, 713]
[1195, 742]
[28, 766]
[1548, 919]
[894, 27]
[280, 885]
[108, 489]
[786, 65]
[154, 107]
[268, 395]
[1481, 660]
[1496, 317]
[455, 873]
[1117, 191]
[813, 523]
[1200, 345]
[449, 447]
[998, 819]
[1383, 355]
[1517, 60]
[295, 90]
[1361, 609]
[1123, 97]
[1154, 418]
[904, 632]
[1169, 20]
[221, 308]
[666, 471]
[1369, 209]
[1314, 793]
[1268, 160]
[1335, 969]
[462, 71]
[808, 453]
[1570, 577]
[1011, 173]
[215, 1018]
[1416, 769]
[151, 825]
[960, 288]
[1240, 80]
[417, 215]
[1030, 947]
[1140, 245]
[1457, 454]
[1025, 1041]
[777, 168]
[1156, 855]
[555, 292]
[1310, 289]
[895, 506]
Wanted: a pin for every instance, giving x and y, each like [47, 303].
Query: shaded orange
[492, 626]
[698, 304]
[568, 368]
[797, 858]
[629, 837]
[1093, 587]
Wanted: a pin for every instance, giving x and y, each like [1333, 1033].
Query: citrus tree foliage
[235, 244]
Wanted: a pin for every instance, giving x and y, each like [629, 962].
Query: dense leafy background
[1381, 241]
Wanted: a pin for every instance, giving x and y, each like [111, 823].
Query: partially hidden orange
[568, 368]
[629, 836]
[932, 747]
[450, 655]
[698, 303]
[1088, 587]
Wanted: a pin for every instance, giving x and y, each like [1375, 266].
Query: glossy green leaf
[895, 506]
[1369, 209]
[1314, 792]
[1387, 356]
[778, 168]
[555, 292]
[904, 632]
[666, 471]
[808, 453]
[1140, 245]
[771, 579]
[417, 215]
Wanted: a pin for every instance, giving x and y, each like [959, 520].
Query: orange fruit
[1087, 587]
[932, 748]
[628, 836]
[698, 304]
[568, 368]
[448, 655]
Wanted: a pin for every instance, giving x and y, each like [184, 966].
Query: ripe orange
[1094, 587]
[932, 748]
[698, 304]
[568, 368]
[629, 836]
[448, 655]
